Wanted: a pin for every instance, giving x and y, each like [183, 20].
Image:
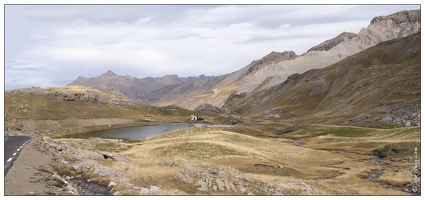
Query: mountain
[205, 76]
[264, 73]
[276, 67]
[130, 86]
[380, 29]
[380, 84]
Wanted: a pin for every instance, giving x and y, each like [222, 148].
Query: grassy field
[314, 160]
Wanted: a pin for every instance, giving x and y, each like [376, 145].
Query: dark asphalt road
[12, 147]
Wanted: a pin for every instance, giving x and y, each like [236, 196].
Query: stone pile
[213, 179]
[407, 115]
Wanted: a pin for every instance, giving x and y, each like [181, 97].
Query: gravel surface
[25, 177]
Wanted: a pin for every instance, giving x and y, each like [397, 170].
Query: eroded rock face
[273, 57]
[89, 97]
[329, 44]
[401, 24]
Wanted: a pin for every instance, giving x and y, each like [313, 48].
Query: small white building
[193, 117]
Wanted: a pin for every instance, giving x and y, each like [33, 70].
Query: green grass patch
[197, 150]
[349, 132]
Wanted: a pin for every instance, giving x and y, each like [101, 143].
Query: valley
[341, 119]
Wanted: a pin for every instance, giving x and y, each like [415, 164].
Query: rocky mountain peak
[399, 17]
[109, 73]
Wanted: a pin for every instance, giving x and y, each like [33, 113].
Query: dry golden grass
[332, 162]
[231, 150]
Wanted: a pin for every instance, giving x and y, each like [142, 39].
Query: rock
[222, 174]
[220, 184]
[111, 185]
[257, 157]
[144, 191]
[183, 177]
[232, 186]
[72, 190]
[202, 185]
[106, 155]
[242, 188]
[153, 189]
[104, 171]
[78, 167]
[414, 189]
[59, 179]
[190, 171]
[165, 162]
[407, 115]
[226, 184]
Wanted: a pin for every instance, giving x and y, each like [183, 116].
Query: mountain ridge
[261, 74]
[363, 89]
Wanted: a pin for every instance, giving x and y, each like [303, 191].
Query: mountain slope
[369, 84]
[329, 44]
[130, 86]
[264, 73]
[380, 29]
[271, 70]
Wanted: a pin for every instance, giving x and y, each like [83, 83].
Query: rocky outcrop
[88, 97]
[329, 44]
[407, 115]
[214, 179]
[273, 57]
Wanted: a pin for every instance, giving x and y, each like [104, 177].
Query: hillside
[78, 107]
[355, 91]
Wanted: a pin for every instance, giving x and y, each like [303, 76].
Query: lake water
[132, 133]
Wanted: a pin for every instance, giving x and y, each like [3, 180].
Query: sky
[51, 45]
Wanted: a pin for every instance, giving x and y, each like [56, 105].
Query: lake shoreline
[143, 132]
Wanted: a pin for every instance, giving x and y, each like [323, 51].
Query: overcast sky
[48, 45]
